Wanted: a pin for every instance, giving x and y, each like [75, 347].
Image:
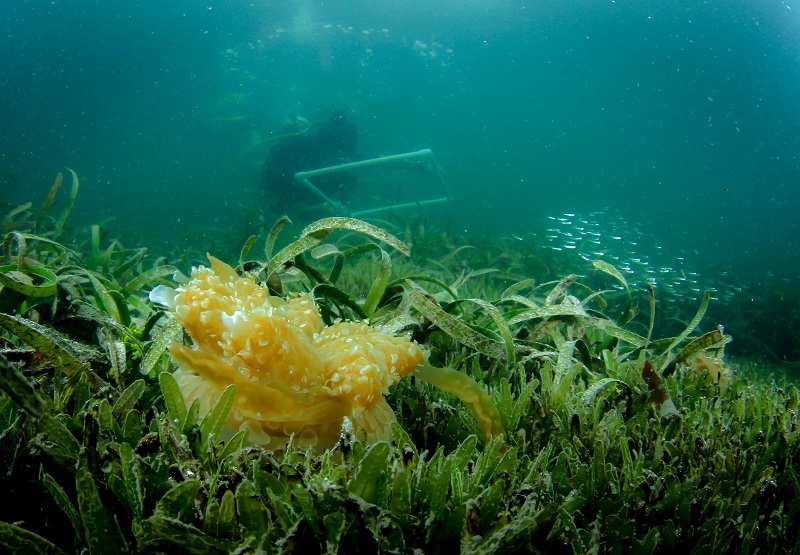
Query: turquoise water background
[683, 117]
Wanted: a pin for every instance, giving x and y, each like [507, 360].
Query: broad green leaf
[178, 502]
[253, 516]
[128, 398]
[227, 515]
[370, 480]
[235, 443]
[176, 406]
[214, 421]
[400, 503]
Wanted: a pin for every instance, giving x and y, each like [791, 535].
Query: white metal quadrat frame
[424, 155]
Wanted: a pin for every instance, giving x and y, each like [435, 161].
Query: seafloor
[553, 412]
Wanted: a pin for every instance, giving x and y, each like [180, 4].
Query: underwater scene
[399, 277]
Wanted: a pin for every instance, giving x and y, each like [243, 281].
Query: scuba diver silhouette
[308, 147]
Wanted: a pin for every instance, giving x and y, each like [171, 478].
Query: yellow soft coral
[293, 374]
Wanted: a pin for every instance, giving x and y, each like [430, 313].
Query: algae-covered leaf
[159, 346]
[379, 284]
[502, 327]
[227, 515]
[99, 526]
[277, 227]
[192, 416]
[62, 500]
[589, 395]
[325, 291]
[469, 391]
[178, 502]
[20, 541]
[513, 290]
[560, 289]
[304, 499]
[176, 406]
[334, 528]
[651, 295]
[370, 480]
[55, 347]
[613, 272]
[88, 311]
[14, 212]
[19, 389]
[326, 225]
[253, 516]
[69, 204]
[185, 538]
[132, 480]
[615, 331]
[440, 487]
[315, 233]
[695, 321]
[570, 306]
[289, 252]
[105, 416]
[463, 453]
[235, 443]
[214, 421]
[400, 502]
[61, 437]
[128, 398]
[715, 338]
[147, 277]
[48, 201]
[456, 328]
[246, 249]
[46, 287]
[402, 439]
[607, 268]
[104, 296]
